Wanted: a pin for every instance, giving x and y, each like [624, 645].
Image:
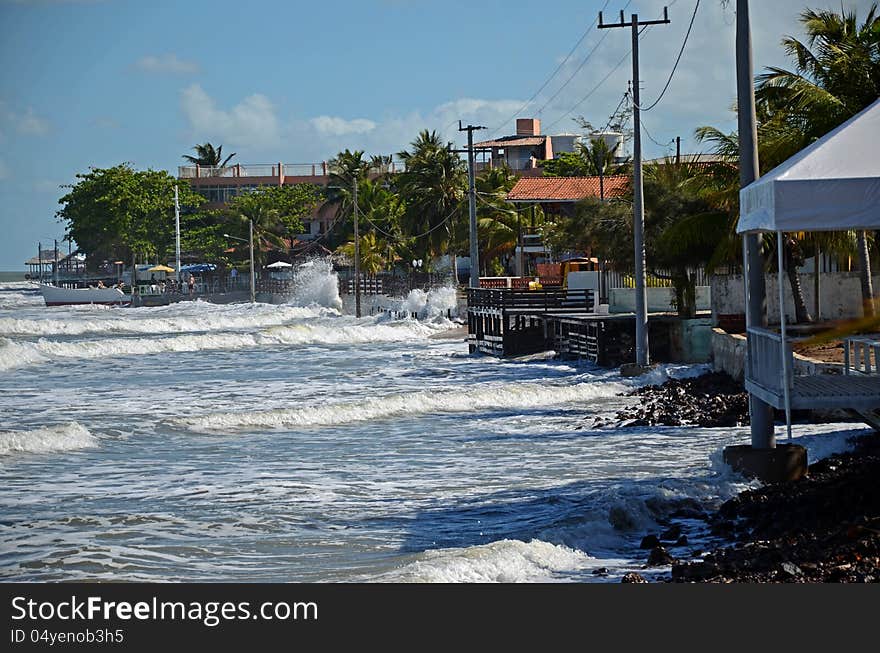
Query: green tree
[123, 213]
[498, 221]
[276, 213]
[432, 188]
[207, 155]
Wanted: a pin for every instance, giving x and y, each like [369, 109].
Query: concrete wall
[691, 340]
[840, 295]
[729, 355]
[623, 300]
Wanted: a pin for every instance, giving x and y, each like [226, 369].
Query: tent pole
[785, 390]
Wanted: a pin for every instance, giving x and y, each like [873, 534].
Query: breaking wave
[504, 561]
[63, 437]
[329, 332]
[489, 396]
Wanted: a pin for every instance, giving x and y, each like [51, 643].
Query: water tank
[612, 140]
[564, 143]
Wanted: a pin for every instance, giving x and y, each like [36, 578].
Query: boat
[55, 296]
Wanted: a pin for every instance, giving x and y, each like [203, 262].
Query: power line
[558, 68]
[580, 67]
[677, 60]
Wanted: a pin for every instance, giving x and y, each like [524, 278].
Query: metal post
[642, 356]
[357, 252]
[761, 413]
[253, 280]
[785, 390]
[40, 259]
[177, 234]
[55, 264]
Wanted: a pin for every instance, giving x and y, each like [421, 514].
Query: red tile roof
[513, 141]
[565, 189]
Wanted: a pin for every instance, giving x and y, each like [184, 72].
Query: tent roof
[831, 185]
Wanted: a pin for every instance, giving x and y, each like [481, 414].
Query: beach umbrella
[160, 268]
[279, 264]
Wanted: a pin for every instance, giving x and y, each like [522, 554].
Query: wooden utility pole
[253, 275]
[472, 206]
[642, 353]
[177, 234]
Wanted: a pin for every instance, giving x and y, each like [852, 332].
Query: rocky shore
[823, 528]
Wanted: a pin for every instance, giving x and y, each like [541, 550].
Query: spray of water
[433, 304]
[316, 284]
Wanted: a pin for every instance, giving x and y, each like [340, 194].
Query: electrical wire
[677, 61]
[558, 68]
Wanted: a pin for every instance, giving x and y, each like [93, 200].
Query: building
[524, 150]
[220, 184]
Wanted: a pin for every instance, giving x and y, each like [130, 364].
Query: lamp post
[250, 242]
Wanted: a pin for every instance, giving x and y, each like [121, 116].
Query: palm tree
[836, 75]
[267, 220]
[432, 187]
[498, 221]
[207, 156]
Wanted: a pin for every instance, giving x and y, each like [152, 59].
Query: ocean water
[201, 442]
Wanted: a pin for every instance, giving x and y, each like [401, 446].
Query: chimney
[528, 127]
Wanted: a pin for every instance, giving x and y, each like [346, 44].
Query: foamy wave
[199, 317]
[18, 354]
[489, 396]
[63, 437]
[504, 561]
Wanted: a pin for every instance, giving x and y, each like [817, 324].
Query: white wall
[623, 300]
[840, 295]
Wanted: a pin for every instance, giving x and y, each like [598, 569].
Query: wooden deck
[855, 391]
[823, 391]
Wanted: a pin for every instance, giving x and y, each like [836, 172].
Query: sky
[94, 83]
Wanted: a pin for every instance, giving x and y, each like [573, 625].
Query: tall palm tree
[498, 221]
[432, 187]
[206, 155]
[836, 75]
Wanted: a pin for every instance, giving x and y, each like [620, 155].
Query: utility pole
[251, 242]
[642, 354]
[678, 150]
[177, 234]
[357, 252]
[472, 205]
[40, 259]
[761, 413]
[55, 264]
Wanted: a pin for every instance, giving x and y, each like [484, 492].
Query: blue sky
[98, 82]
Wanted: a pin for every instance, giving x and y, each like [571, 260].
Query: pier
[515, 322]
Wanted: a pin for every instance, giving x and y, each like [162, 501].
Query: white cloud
[166, 63]
[340, 126]
[251, 122]
[30, 123]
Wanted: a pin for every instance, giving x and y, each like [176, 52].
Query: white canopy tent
[279, 264]
[831, 185]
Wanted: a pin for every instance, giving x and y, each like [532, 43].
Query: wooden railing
[555, 300]
[765, 358]
[861, 356]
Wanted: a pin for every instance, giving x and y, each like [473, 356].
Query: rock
[671, 534]
[601, 571]
[791, 569]
[633, 577]
[649, 542]
[621, 519]
[682, 541]
[659, 557]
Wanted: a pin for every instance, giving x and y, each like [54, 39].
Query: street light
[250, 242]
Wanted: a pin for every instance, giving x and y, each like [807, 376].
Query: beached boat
[55, 296]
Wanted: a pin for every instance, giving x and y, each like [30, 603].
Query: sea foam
[62, 437]
[481, 397]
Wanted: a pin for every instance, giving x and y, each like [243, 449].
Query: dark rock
[682, 541]
[659, 557]
[649, 542]
[633, 577]
[671, 534]
[791, 569]
[601, 571]
[621, 519]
